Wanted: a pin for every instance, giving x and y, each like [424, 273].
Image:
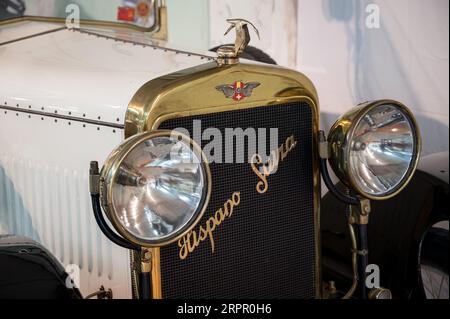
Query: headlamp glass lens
[382, 150]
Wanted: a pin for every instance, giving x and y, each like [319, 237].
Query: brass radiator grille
[267, 247]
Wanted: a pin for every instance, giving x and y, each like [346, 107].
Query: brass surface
[226, 54]
[360, 216]
[146, 260]
[162, 30]
[192, 92]
[156, 274]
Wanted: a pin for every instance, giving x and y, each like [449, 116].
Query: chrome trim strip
[63, 117]
[33, 35]
[209, 58]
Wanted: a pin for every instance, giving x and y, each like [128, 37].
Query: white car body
[64, 95]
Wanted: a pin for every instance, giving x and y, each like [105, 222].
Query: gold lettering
[192, 235]
[207, 231]
[183, 247]
[236, 198]
[210, 227]
[268, 168]
[189, 242]
[220, 215]
[262, 186]
[203, 235]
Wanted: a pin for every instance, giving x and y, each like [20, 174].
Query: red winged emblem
[238, 90]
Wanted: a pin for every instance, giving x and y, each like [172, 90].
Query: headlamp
[155, 187]
[374, 148]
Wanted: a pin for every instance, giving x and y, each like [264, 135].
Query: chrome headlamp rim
[108, 176]
[340, 136]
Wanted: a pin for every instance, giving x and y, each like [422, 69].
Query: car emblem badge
[238, 90]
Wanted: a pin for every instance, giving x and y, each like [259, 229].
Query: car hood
[88, 74]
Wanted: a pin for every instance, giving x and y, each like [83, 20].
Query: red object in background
[126, 14]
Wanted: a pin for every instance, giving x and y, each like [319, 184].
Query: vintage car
[132, 169]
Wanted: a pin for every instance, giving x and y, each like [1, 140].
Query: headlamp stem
[94, 179]
[358, 220]
[146, 267]
[323, 154]
[145, 282]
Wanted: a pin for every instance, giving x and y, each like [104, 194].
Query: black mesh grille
[266, 249]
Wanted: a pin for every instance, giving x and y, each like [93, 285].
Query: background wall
[405, 58]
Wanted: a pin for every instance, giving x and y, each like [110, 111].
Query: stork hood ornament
[230, 54]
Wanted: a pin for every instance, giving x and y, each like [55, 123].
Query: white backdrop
[406, 58]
